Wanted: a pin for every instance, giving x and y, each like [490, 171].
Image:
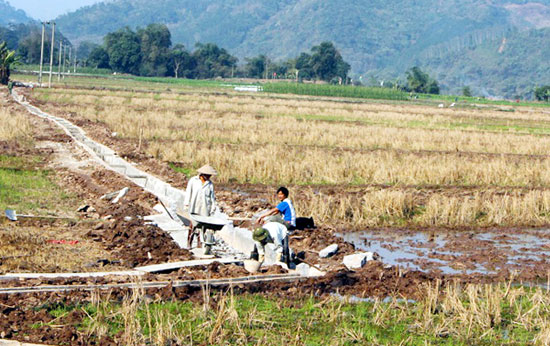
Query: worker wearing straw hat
[200, 200]
[199, 195]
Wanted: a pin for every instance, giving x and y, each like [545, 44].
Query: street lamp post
[51, 55]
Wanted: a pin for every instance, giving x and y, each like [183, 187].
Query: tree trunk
[4, 75]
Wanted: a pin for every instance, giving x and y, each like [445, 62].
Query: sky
[49, 9]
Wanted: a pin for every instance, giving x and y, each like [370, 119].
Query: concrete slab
[17, 343]
[184, 264]
[330, 250]
[68, 275]
[358, 260]
[198, 253]
[180, 237]
[306, 270]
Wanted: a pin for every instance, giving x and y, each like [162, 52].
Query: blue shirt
[287, 209]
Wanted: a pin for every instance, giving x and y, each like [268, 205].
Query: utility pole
[59, 64]
[41, 53]
[51, 55]
[75, 50]
[70, 59]
[64, 58]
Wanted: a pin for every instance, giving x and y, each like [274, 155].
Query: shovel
[12, 216]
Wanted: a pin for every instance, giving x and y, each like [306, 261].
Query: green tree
[303, 65]
[7, 60]
[84, 49]
[155, 42]
[29, 48]
[124, 50]
[543, 93]
[182, 62]
[255, 66]
[466, 91]
[213, 61]
[98, 58]
[327, 63]
[420, 82]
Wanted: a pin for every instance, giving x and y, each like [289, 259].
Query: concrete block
[303, 269]
[175, 197]
[308, 271]
[121, 194]
[358, 260]
[238, 238]
[330, 250]
[132, 171]
[270, 254]
[180, 237]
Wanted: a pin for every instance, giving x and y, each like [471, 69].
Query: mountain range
[459, 42]
[10, 15]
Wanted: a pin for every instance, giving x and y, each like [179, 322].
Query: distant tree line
[149, 52]
[543, 93]
[25, 40]
[417, 81]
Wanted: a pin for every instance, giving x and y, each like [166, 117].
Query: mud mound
[136, 244]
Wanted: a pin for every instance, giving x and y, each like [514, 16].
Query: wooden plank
[176, 265]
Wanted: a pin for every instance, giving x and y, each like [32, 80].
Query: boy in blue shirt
[284, 212]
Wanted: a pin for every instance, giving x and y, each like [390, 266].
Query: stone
[358, 260]
[83, 208]
[329, 251]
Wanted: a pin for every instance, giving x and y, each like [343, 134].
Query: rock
[330, 250]
[83, 208]
[358, 260]
[86, 209]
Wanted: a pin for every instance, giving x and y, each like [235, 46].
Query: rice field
[361, 163]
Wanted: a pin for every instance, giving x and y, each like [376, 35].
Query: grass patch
[475, 314]
[26, 189]
[335, 91]
[188, 171]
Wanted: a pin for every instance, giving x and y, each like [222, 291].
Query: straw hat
[207, 170]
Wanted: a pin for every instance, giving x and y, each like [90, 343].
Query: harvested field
[458, 188]
[413, 165]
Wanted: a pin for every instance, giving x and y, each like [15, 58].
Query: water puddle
[459, 252]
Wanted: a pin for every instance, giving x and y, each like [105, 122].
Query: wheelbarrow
[204, 227]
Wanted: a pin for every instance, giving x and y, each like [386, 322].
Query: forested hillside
[510, 66]
[9, 15]
[380, 39]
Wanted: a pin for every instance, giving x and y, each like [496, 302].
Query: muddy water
[458, 252]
